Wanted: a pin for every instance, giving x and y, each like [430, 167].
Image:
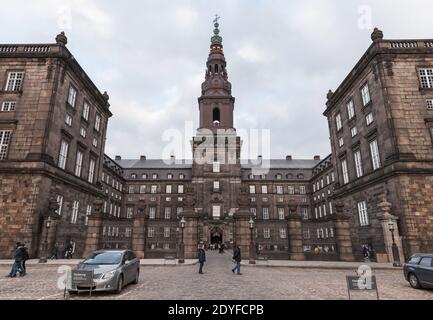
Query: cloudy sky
[283, 57]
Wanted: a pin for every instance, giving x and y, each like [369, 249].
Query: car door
[425, 271]
[129, 268]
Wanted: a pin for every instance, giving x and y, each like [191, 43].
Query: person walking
[69, 250]
[25, 258]
[201, 255]
[18, 260]
[237, 259]
[366, 253]
[55, 251]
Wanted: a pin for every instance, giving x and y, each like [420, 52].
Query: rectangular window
[91, 170]
[152, 212]
[72, 96]
[83, 132]
[129, 212]
[266, 233]
[281, 214]
[143, 189]
[15, 81]
[168, 189]
[369, 119]
[345, 172]
[97, 122]
[9, 106]
[150, 232]
[338, 122]
[306, 233]
[216, 167]
[375, 156]
[74, 215]
[330, 208]
[354, 132]
[265, 212]
[426, 77]
[305, 215]
[79, 164]
[60, 203]
[429, 104]
[365, 92]
[179, 211]
[180, 189]
[264, 189]
[88, 213]
[216, 186]
[279, 189]
[166, 232]
[324, 210]
[351, 109]
[86, 111]
[68, 119]
[302, 190]
[252, 189]
[153, 189]
[291, 190]
[341, 142]
[131, 189]
[358, 164]
[363, 215]
[253, 211]
[283, 233]
[63, 155]
[167, 213]
[216, 212]
[95, 142]
[5, 137]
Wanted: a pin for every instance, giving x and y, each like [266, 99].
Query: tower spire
[216, 40]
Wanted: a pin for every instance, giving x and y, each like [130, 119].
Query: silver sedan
[112, 271]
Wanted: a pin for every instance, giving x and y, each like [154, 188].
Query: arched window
[300, 176]
[133, 176]
[216, 115]
[216, 68]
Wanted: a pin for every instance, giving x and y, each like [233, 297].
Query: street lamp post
[395, 253]
[182, 245]
[44, 258]
[252, 246]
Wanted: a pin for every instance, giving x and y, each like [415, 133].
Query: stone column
[139, 230]
[94, 229]
[343, 234]
[242, 236]
[294, 228]
[384, 218]
[190, 232]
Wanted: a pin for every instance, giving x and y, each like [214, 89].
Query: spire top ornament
[216, 39]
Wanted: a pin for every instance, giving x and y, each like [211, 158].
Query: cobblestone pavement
[218, 282]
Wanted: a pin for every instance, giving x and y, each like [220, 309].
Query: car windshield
[415, 259]
[104, 258]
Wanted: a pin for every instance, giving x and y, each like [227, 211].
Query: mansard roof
[284, 164]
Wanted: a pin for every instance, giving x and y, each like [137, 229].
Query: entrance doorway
[216, 238]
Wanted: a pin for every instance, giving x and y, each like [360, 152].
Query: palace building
[58, 186]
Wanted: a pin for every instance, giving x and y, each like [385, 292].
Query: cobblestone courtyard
[218, 282]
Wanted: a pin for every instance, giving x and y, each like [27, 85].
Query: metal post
[182, 249]
[252, 249]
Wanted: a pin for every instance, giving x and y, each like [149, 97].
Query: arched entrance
[216, 236]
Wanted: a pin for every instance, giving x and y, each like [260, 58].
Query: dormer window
[133, 176]
[154, 176]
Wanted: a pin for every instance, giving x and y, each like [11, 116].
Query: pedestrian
[18, 260]
[237, 259]
[55, 251]
[69, 250]
[25, 258]
[201, 255]
[366, 253]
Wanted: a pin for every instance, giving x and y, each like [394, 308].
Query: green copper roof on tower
[216, 39]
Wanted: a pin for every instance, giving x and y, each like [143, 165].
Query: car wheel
[119, 284]
[137, 276]
[414, 282]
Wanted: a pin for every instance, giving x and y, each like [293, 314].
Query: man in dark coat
[25, 258]
[237, 259]
[17, 267]
[201, 255]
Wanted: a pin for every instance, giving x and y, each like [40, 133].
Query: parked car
[113, 270]
[419, 271]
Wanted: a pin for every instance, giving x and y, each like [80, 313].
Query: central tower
[216, 103]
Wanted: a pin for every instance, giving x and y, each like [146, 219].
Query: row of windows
[320, 184]
[83, 131]
[115, 184]
[280, 213]
[155, 176]
[278, 176]
[112, 231]
[85, 112]
[78, 169]
[166, 232]
[154, 189]
[112, 209]
[279, 199]
[323, 210]
[375, 159]
[278, 189]
[74, 210]
[8, 106]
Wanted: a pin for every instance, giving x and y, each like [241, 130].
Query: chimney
[118, 158]
[288, 158]
[316, 157]
[172, 158]
[260, 158]
[142, 157]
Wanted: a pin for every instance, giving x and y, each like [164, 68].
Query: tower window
[216, 68]
[216, 115]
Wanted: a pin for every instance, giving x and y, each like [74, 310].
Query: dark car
[112, 270]
[419, 271]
